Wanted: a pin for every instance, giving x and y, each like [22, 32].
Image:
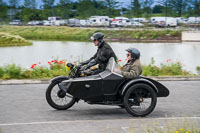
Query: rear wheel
[57, 98]
[140, 100]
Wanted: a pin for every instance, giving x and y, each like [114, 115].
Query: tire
[69, 103]
[135, 97]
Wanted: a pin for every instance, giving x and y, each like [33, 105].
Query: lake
[43, 51]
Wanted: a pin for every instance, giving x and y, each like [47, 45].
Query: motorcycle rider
[101, 57]
[133, 67]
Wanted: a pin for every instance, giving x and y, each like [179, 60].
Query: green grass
[7, 39]
[83, 34]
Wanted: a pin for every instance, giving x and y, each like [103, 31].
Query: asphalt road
[23, 108]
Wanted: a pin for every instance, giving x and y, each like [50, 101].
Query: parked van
[164, 21]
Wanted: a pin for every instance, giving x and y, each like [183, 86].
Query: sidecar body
[109, 85]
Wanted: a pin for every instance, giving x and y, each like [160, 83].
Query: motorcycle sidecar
[138, 96]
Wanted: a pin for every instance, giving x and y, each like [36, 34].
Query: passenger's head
[97, 38]
[133, 53]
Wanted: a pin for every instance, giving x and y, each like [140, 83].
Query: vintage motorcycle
[138, 96]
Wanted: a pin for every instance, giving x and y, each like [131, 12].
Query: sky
[39, 2]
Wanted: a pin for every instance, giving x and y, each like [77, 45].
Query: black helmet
[97, 36]
[135, 53]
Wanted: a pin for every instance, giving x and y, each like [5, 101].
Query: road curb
[47, 81]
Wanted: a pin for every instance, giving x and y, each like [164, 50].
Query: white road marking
[56, 122]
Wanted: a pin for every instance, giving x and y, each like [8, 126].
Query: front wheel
[140, 100]
[57, 98]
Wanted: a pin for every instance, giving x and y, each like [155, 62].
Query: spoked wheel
[140, 100]
[57, 98]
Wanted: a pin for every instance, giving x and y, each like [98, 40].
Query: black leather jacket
[101, 57]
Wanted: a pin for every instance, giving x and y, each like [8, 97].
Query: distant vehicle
[193, 20]
[181, 20]
[160, 24]
[54, 18]
[15, 22]
[47, 23]
[136, 24]
[73, 22]
[139, 19]
[120, 22]
[35, 23]
[164, 21]
[60, 22]
[103, 21]
[84, 23]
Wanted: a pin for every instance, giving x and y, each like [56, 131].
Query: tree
[158, 9]
[64, 9]
[48, 8]
[146, 5]
[86, 9]
[14, 3]
[112, 6]
[178, 7]
[136, 8]
[197, 7]
[30, 4]
[3, 10]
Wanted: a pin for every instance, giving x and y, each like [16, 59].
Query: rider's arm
[87, 61]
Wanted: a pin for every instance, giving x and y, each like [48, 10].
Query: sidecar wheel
[140, 100]
[57, 99]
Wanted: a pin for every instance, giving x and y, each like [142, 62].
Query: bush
[1, 72]
[198, 69]
[12, 72]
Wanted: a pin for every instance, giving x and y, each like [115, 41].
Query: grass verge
[7, 39]
[83, 34]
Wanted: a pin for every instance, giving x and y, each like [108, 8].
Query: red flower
[119, 60]
[49, 63]
[33, 66]
[168, 60]
[55, 61]
[61, 62]
[126, 59]
[39, 62]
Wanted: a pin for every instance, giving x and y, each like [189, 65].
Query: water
[44, 51]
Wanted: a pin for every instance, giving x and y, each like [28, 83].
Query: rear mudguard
[59, 79]
[160, 89]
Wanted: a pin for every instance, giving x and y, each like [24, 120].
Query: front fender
[138, 80]
[59, 79]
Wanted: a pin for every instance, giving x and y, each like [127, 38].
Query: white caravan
[99, 21]
[60, 22]
[84, 23]
[73, 22]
